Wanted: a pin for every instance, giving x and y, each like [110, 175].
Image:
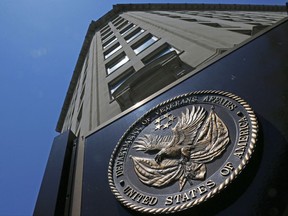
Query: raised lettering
[169, 200]
[129, 191]
[225, 171]
[177, 198]
[210, 184]
[222, 101]
[119, 169]
[185, 197]
[153, 201]
[146, 200]
[243, 137]
[138, 197]
[193, 192]
[202, 189]
[146, 121]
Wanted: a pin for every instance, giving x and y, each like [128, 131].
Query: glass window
[115, 84]
[127, 29]
[112, 50]
[216, 25]
[85, 73]
[116, 63]
[107, 35]
[79, 117]
[165, 51]
[104, 28]
[82, 94]
[157, 54]
[143, 44]
[174, 16]
[109, 42]
[116, 21]
[105, 31]
[122, 24]
[134, 34]
[189, 19]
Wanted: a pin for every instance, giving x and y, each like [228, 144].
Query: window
[189, 19]
[216, 25]
[122, 24]
[162, 71]
[105, 32]
[85, 70]
[207, 15]
[79, 117]
[134, 34]
[166, 48]
[82, 94]
[72, 114]
[144, 43]
[112, 50]
[84, 75]
[163, 14]
[127, 29]
[109, 42]
[104, 28]
[174, 16]
[107, 35]
[116, 63]
[118, 81]
[116, 21]
[153, 12]
[242, 31]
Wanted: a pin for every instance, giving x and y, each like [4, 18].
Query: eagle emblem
[182, 151]
[196, 139]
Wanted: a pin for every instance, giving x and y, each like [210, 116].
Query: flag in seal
[182, 152]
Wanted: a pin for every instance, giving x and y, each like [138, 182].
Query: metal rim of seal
[218, 188]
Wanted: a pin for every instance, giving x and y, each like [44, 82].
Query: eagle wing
[212, 139]
[188, 124]
[151, 142]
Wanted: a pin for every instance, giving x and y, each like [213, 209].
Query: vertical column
[54, 188]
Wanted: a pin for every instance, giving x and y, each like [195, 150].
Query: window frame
[116, 21]
[128, 28]
[108, 42]
[119, 80]
[113, 49]
[105, 31]
[144, 43]
[158, 52]
[111, 65]
[103, 38]
[79, 118]
[134, 34]
[121, 25]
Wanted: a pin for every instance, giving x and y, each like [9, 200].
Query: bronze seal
[182, 152]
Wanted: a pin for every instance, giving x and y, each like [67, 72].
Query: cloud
[37, 53]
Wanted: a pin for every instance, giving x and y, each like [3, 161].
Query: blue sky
[39, 45]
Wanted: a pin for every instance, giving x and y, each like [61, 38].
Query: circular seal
[182, 152]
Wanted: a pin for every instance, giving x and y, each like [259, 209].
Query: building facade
[120, 62]
[138, 51]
